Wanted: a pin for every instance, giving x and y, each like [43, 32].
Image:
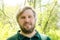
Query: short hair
[21, 11]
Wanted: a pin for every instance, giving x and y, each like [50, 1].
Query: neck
[28, 35]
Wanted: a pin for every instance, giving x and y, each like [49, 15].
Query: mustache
[27, 23]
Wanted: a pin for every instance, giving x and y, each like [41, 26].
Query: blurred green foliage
[47, 19]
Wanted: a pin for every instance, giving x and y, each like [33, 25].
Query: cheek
[20, 22]
[33, 21]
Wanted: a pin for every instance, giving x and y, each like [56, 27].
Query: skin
[27, 22]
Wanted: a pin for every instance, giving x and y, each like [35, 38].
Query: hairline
[23, 10]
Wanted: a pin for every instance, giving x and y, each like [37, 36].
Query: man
[27, 20]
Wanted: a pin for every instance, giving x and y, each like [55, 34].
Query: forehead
[28, 12]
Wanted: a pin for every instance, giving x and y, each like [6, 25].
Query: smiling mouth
[27, 25]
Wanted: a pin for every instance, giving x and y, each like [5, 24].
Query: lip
[27, 24]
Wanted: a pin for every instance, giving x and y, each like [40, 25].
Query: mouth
[27, 25]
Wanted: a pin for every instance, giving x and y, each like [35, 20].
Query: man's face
[27, 21]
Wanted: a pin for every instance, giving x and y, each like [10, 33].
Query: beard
[24, 30]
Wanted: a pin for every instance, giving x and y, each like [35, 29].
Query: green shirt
[37, 36]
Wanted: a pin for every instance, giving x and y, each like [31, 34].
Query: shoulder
[44, 37]
[14, 37]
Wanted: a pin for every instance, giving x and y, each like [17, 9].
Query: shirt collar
[37, 35]
[20, 36]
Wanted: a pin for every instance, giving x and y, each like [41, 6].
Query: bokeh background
[48, 17]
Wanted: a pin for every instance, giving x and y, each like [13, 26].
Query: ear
[36, 18]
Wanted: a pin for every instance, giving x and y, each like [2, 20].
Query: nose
[27, 19]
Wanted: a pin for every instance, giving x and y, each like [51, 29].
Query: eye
[22, 17]
[29, 16]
